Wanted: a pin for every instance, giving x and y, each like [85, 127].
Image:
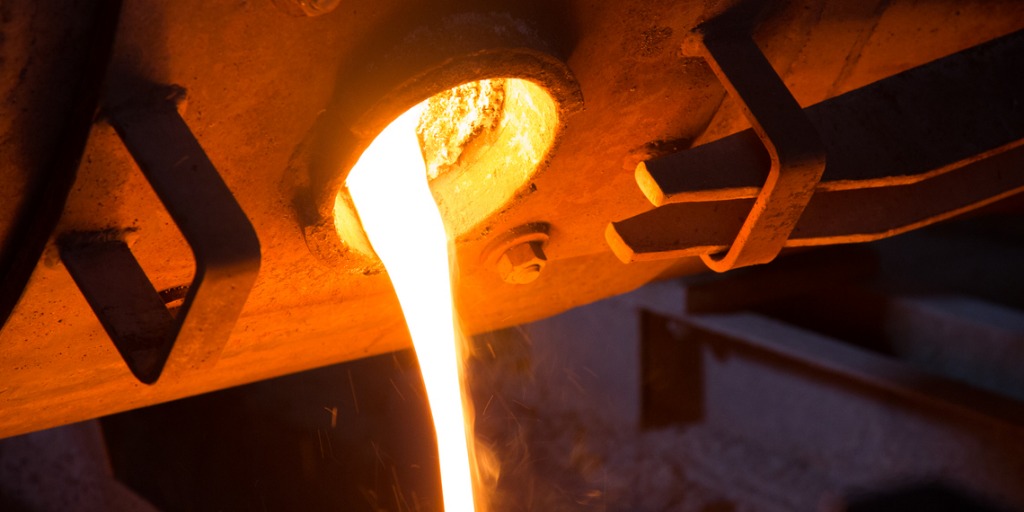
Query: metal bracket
[151, 339]
[912, 149]
[796, 152]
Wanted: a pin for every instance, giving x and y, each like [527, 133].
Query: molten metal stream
[389, 188]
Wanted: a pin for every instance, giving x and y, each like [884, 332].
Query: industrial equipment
[173, 214]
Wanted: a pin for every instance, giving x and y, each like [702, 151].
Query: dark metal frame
[919, 147]
[151, 339]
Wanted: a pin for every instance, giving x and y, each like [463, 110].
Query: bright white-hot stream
[389, 189]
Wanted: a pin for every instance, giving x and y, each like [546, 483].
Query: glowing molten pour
[389, 188]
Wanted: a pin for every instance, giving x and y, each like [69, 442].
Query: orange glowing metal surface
[389, 188]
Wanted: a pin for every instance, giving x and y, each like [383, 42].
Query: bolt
[307, 7]
[522, 263]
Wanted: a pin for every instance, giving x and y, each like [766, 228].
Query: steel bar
[832, 217]
[767, 335]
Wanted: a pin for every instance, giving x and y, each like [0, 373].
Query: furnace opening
[482, 143]
[434, 173]
[436, 170]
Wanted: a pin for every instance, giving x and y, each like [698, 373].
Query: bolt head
[307, 7]
[318, 7]
[522, 263]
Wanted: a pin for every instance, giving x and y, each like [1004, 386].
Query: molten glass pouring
[389, 188]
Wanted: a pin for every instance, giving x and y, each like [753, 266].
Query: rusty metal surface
[261, 81]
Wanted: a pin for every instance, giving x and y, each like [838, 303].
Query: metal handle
[223, 242]
[796, 152]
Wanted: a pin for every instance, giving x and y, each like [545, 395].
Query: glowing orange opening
[483, 141]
